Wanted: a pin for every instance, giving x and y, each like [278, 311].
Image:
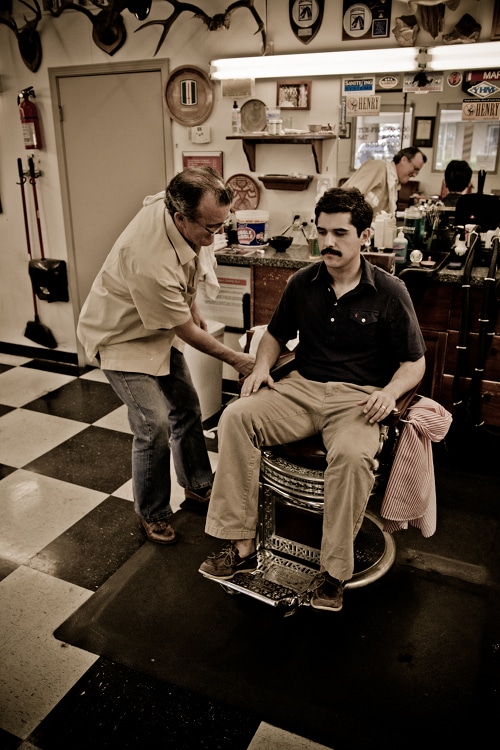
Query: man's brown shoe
[160, 532]
[329, 593]
[195, 502]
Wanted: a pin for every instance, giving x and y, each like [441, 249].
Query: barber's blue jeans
[164, 414]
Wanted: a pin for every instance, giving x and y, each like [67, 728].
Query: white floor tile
[96, 375]
[21, 385]
[36, 509]
[13, 359]
[267, 737]
[115, 420]
[26, 435]
[37, 670]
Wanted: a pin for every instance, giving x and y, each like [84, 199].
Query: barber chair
[291, 491]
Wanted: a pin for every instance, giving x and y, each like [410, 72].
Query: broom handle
[31, 164]
[22, 180]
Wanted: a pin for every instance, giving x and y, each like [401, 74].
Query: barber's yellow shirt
[144, 289]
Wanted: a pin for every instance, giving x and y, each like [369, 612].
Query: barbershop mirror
[380, 136]
[474, 141]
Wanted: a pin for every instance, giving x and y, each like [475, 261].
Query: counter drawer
[492, 365]
[476, 301]
[490, 398]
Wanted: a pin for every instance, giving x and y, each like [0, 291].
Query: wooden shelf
[315, 140]
[285, 182]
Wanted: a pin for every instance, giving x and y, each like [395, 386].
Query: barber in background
[140, 310]
[457, 179]
[379, 180]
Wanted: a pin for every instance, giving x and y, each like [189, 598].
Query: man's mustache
[331, 251]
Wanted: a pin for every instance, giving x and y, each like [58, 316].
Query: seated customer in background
[380, 181]
[360, 348]
[457, 177]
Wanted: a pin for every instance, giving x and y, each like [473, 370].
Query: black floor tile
[96, 458]
[5, 409]
[6, 568]
[6, 470]
[9, 742]
[115, 708]
[4, 368]
[62, 368]
[82, 400]
[89, 552]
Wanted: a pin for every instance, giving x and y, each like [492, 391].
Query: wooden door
[114, 148]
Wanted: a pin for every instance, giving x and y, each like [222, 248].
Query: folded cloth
[410, 495]
[153, 198]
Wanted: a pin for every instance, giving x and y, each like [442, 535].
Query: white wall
[67, 41]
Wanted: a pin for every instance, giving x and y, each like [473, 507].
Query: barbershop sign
[474, 109]
[362, 105]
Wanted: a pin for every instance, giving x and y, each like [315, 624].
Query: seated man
[360, 348]
[457, 177]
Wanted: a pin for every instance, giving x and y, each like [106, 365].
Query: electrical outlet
[297, 217]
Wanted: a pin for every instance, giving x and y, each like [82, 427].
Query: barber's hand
[377, 406]
[243, 363]
[256, 380]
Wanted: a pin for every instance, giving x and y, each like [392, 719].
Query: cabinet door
[267, 285]
[435, 342]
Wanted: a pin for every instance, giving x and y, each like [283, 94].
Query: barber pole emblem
[306, 17]
[189, 94]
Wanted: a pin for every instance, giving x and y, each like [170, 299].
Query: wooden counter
[438, 309]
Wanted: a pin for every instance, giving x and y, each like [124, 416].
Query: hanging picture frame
[306, 17]
[203, 159]
[293, 95]
[423, 132]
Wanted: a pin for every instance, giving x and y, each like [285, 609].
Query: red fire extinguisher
[29, 119]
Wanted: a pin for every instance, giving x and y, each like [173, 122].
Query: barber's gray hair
[185, 191]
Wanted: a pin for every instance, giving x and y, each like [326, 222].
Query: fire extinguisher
[29, 119]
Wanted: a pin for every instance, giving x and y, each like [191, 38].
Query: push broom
[35, 330]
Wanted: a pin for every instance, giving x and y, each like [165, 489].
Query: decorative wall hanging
[203, 159]
[253, 116]
[368, 20]
[246, 192]
[306, 17]
[295, 95]
[189, 94]
[28, 38]
[213, 23]
[423, 132]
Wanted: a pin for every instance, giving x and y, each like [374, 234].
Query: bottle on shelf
[400, 247]
[236, 118]
[312, 241]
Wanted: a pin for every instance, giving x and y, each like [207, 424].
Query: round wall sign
[189, 94]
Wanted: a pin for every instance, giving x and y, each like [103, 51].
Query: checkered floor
[67, 525]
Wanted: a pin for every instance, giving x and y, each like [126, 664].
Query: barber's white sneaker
[329, 593]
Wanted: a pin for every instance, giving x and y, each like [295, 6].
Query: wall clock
[306, 17]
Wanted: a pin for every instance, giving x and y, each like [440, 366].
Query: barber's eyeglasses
[211, 229]
[416, 169]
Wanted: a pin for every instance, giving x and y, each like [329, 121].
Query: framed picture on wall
[423, 132]
[203, 159]
[296, 95]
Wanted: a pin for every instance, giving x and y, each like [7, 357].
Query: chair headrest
[478, 208]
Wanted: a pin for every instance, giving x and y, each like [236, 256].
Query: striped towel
[410, 495]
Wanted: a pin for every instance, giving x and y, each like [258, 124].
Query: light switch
[200, 134]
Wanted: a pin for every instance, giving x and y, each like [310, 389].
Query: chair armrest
[403, 403]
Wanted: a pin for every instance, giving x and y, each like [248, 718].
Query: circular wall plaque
[189, 94]
[246, 192]
[253, 116]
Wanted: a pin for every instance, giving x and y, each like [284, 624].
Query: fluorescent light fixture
[464, 56]
[358, 62]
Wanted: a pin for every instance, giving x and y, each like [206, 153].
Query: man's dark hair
[185, 191]
[348, 201]
[409, 152]
[457, 175]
